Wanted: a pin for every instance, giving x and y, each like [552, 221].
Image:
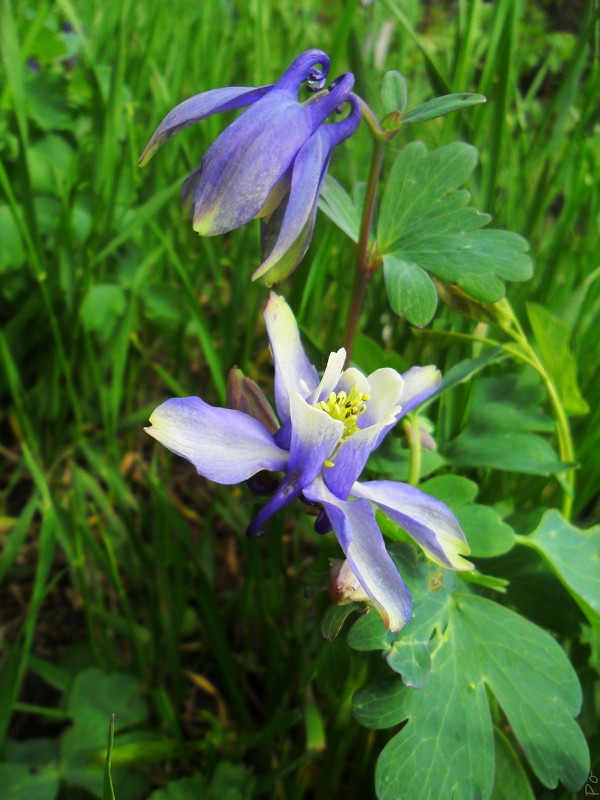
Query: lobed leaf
[446, 747]
[425, 222]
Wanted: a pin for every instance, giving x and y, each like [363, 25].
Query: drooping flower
[329, 427]
[270, 162]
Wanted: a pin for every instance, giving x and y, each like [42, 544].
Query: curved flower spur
[328, 428]
[270, 162]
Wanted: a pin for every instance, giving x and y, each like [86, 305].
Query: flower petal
[427, 520]
[314, 434]
[244, 163]
[351, 378]
[350, 459]
[419, 384]
[293, 370]
[197, 108]
[224, 445]
[331, 377]
[290, 258]
[385, 387]
[322, 106]
[381, 413]
[304, 68]
[361, 540]
[309, 170]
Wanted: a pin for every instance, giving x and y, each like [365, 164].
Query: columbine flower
[329, 427]
[270, 162]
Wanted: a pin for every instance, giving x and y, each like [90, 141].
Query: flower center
[346, 408]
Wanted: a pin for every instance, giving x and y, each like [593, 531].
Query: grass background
[116, 556]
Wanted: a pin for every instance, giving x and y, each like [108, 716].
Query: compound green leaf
[446, 747]
[486, 533]
[424, 221]
[229, 782]
[102, 307]
[505, 450]
[407, 652]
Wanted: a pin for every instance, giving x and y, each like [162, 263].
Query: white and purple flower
[329, 427]
[270, 162]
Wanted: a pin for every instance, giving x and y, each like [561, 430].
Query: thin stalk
[364, 265]
[563, 430]
[413, 437]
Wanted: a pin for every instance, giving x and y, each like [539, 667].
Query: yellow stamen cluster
[346, 408]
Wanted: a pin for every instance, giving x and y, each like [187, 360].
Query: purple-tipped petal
[314, 436]
[338, 93]
[296, 224]
[361, 540]
[242, 166]
[304, 68]
[293, 370]
[427, 520]
[308, 172]
[289, 259]
[198, 108]
[224, 445]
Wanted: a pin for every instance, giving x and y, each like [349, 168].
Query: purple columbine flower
[270, 162]
[329, 427]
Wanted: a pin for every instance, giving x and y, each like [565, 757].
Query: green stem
[365, 267]
[563, 429]
[413, 436]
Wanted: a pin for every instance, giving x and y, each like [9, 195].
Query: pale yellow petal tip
[276, 304]
[262, 272]
[393, 626]
[436, 375]
[147, 154]
[460, 564]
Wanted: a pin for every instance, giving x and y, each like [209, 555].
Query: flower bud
[344, 586]
[243, 394]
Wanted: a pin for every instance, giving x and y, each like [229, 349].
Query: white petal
[293, 370]
[419, 384]
[331, 377]
[386, 389]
